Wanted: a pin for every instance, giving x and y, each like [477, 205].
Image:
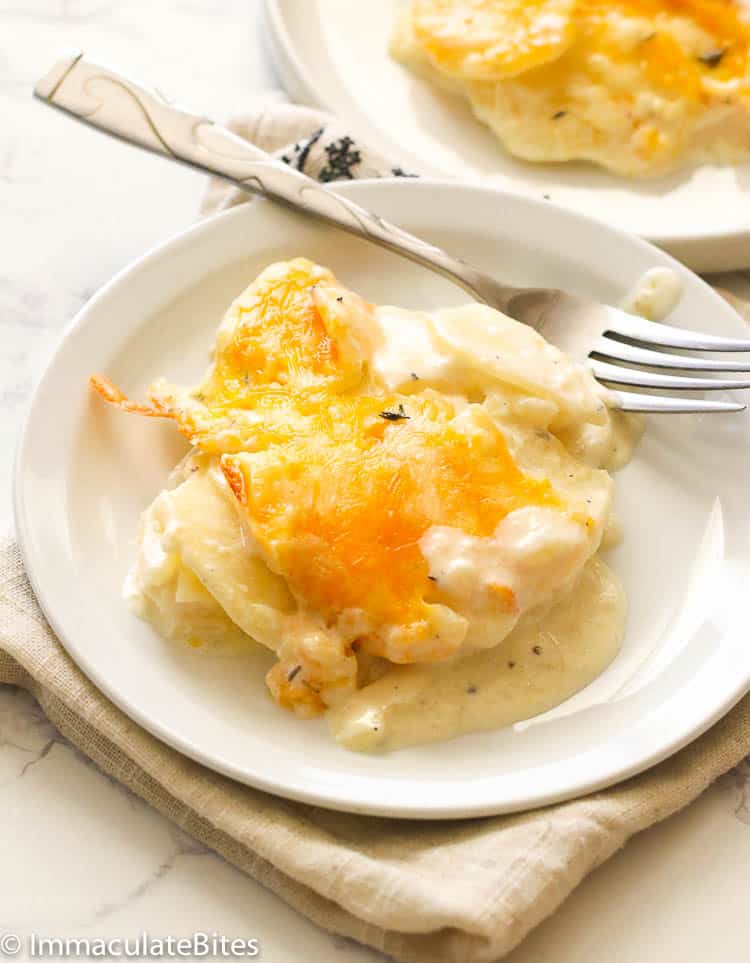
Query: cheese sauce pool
[544, 661]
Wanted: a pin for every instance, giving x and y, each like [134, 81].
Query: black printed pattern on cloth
[342, 157]
[301, 150]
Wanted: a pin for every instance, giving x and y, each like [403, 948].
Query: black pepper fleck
[414, 376]
[472, 689]
[713, 58]
[511, 665]
[432, 578]
[537, 650]
[294, 672]
[340, 299]
[559, 115]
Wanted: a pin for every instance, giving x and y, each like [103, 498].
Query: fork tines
[651, 334]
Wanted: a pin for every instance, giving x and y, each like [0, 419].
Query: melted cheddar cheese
[340, 509]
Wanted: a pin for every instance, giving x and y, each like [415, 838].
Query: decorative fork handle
[143, 117]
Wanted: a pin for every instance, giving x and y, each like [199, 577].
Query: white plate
[85, 471]
[334, 54]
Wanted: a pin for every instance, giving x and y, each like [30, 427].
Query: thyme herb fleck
[399, 415]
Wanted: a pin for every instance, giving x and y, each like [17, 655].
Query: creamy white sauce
[407, 355]
[533, 555]
[544, 661]
[655, 295]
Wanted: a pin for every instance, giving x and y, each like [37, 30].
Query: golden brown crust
[235, 479]
[109, 392]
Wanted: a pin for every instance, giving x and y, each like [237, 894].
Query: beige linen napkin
[450, 892]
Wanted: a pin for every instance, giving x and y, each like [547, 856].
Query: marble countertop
[80, 855]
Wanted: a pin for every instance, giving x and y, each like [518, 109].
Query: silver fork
[595, 334]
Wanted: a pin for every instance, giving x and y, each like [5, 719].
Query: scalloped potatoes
[394, 502]
[637, 86]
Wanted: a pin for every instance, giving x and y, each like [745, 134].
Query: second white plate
[86, 471]
[334, 54]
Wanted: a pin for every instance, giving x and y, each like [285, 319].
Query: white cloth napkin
[450, 892]
[310, 141]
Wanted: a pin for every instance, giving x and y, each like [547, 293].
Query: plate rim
[421, 810]
[699, 251]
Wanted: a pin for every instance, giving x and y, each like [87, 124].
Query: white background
[79, 856]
